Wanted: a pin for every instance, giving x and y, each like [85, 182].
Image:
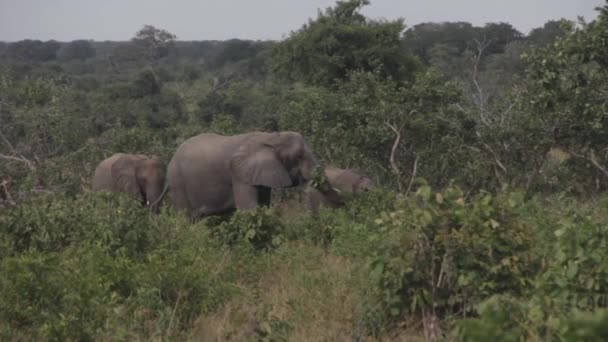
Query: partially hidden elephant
[215, 174]
[343, 183]
[141, 176]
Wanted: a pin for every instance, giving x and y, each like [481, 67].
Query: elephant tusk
[148, 202]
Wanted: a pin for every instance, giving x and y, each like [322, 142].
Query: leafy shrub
[587, 326]
[351, 230]
[261, 227]
[78, 266]
[439, 253]
[60, 296]
[576, 275]
[498, 322]
[54, 222]
[572, 280]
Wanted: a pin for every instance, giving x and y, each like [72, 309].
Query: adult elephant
[342, 184]
[213, 174]
[138, 175]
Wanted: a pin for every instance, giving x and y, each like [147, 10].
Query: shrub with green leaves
[261, 227]
[54, 222]
[75, 267]
[440, 253]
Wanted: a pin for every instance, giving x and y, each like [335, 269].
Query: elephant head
[363, 184]
[342, 185]
[140, 176]
[273, 160]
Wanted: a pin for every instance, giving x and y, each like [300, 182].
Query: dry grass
[310, 291]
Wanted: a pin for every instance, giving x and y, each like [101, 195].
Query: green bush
[77, 267]
[54, 222]
[60, 296]
[260, 227]
[439, 253]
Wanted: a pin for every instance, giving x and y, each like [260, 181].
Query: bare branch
[392, 161]
[590, 159]
[8, 143]
[481, 46]
[496, 160]
[19, 157]
[414, 171]
[29, 164]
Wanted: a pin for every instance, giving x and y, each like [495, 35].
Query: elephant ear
[123, 173]
[259, 165]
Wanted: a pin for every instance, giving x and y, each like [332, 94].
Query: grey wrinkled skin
[138, 175]
[214, 174]
[346, 181]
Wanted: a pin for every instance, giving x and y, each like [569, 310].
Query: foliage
[339, 41]
[354, 126]
[33, 50]
[259, 227]
[565, 84]
[156, 43]
[78, 266]
[509, 131]
[77, 49]
[471, 249]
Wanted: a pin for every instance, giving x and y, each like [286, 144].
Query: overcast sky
[66, 20]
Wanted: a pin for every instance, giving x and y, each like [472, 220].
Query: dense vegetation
[490, 221]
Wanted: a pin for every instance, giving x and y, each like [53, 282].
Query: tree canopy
[341, 40]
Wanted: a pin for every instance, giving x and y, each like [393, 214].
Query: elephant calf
[138, 175]
[346, 181]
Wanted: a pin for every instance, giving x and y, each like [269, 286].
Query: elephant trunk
[306, 169]
[154, 196]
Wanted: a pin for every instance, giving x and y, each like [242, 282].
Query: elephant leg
[180, 200]
[264, 195]
[245, 196]
[313, 199]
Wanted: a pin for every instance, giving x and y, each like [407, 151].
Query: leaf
[536, 314]
[572, 270]
[439, 198]
[250, 234]
[266, 328]
[424, 192]
[494, 224]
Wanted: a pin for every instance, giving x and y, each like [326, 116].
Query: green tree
[156, 43]
[565, 91]
[455, 37]
[77, 49]
[341, 40]
[553, 29]
[33, 50]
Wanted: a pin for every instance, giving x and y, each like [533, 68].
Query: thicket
[489, 148]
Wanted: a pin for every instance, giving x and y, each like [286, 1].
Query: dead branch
[496, 160]
[19, 157]
[414, 171]
[392, 161]
[590, 159]
[538, 165]
[476, 59]
[29, 164]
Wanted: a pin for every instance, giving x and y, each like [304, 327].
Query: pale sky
[66, 20]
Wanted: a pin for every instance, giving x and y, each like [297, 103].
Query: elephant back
[102, 177]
